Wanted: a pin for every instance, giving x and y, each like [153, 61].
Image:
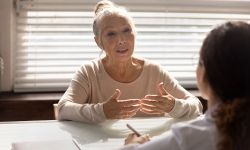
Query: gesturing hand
[119, 109]
[158, 104]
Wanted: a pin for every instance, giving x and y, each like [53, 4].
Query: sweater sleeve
[186, 104]
[75, 104]
[168, 141]
[189, 108]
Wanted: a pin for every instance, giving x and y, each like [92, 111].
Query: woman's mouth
[122, 50]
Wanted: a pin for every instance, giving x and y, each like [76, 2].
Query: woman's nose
[122, 39]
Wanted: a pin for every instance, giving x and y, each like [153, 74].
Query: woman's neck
[212, 98]
[123, 71]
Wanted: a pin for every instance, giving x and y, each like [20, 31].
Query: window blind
[54, 37]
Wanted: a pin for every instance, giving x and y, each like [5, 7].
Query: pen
[132, 129]
[76, 144]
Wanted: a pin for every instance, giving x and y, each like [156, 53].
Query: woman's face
[116, 37]
[204, 87]
[201, 83]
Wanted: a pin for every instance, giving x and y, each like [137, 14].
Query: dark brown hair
[225, 55]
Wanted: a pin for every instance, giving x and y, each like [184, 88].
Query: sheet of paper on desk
[152, 126]
[60, 144]
[42, 137]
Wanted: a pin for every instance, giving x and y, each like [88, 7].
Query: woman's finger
[129, 102]
[162, 90]
[151, 110]
[157, 103]
[143, 139]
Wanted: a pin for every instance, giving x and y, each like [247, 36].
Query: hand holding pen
[132, 129]
[136, 137]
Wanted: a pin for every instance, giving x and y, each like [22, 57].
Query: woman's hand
[120, 109]
[158, 104]
[133, 138]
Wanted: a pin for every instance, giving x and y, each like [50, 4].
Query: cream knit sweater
[91, 86]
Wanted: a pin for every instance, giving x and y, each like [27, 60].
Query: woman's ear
[98, 42]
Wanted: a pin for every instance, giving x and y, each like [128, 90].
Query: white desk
[107, 135]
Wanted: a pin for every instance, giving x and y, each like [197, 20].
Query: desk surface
[107, 135]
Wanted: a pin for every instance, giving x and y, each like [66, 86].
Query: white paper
[59, 144]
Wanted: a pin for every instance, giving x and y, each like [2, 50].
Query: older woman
[120, 85]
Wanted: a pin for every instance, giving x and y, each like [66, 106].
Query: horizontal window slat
[48, 63]
[22, 71]
[73, 62]
[135, 15]
[41, 72]
[97, 51]
[40, 88]
[177, 5]
[78, 44]
[45, 78]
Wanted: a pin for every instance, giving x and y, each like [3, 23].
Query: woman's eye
[126, 30]
[111, 33]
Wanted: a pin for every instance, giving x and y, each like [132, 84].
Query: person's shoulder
[149, 64]
[195, 134]
[194, 131]
[154, 67]
[90, 65]
[199, 121]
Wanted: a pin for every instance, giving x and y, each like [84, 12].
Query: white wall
[7, 42]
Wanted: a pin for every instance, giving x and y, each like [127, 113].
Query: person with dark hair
[223, 78]
[120, 85]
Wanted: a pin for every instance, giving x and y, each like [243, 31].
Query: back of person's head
[107, 8]
[225, 55]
